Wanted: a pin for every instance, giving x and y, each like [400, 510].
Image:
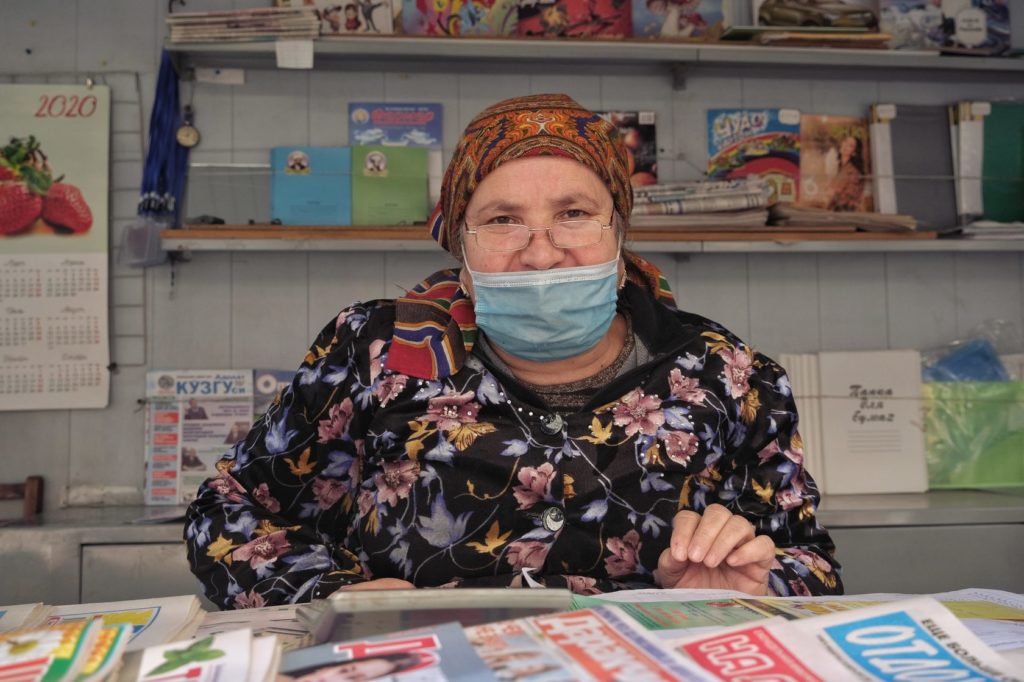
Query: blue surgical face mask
[545, 315]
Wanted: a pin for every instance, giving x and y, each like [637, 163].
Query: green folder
[1002, 187]
[974, 433]
[389, 185]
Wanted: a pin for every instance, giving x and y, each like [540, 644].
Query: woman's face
[538, 192]
[848, 147]
[352, 671]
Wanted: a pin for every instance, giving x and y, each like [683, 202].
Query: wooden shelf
[646, 240]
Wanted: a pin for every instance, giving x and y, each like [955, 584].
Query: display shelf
[648, 240]
[342, 52]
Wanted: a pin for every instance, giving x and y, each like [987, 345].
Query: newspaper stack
[244, 25]
[791, 216]
[724, 204]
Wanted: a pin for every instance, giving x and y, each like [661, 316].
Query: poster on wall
[54, 176]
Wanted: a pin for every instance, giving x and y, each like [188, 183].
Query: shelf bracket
[679, 73]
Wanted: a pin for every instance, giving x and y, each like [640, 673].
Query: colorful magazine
[310, 185]
[961, 26]
[835, 163]
[636, 128]
[763, 142]
[389, 185]
[679, 19]
[345, 17]
[439, 653]
[51, 653]
[573, 18]
[401, 125]
[458, 18]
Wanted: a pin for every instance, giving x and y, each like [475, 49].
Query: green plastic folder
[974, 433]
[1002, 187]
[389, 185]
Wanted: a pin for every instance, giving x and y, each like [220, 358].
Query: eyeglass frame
[475, 231]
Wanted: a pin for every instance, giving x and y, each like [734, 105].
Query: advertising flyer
[54, 176]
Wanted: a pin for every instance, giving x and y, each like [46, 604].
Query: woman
[846, 191]
[544, 415]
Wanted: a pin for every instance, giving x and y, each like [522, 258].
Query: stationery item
[974, 433]
[689, 20]
[575, 18]
[763, 142]
[311, 185]
[835, 163]
[870, 420]
[921, 179]
[1003, 162]
[389, 185]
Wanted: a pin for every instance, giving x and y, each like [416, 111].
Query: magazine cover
[192, 418]
[763, 142]
[311, 185]
[696, 19]
[439, 653]
[572, 18]
[834, 163]
[458, 18]
[389, 185]
[344, 17]
[852, 14]
[959, 25]
[636, 128]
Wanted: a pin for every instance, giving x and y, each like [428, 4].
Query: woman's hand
[379, 584]
[716, 550]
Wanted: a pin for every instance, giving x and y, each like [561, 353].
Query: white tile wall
[246, 309]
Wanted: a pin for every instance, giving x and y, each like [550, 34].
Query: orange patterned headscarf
[535, 125]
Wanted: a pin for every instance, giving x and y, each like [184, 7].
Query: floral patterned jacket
[357, 472]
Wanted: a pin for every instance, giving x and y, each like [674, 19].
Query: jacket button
[553, 519]
[552, 424]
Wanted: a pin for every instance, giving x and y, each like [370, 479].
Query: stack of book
[724, 204]
[801, 218]
[244, 25]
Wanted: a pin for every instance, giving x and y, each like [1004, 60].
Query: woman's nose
[541, 253]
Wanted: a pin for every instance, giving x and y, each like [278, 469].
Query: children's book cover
[834, 163]
[459, 17]
[345, 17]
[401, 125]
[850, 14]
[678, 19]
[637, 130]
[763, 142]
[574, 18]
[389, 185]
[310, 185]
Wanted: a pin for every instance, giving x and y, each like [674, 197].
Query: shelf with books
[647, 240]
[342, 52]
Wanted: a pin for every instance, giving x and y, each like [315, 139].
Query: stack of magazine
[545, 635]
[722, 205]
[266, 23]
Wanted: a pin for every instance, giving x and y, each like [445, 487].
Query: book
[574, 18]
[441, 652]
[1002, 186]
[835, 163]
[224, 656]
[762, 142]
[48, 653]
[389, 185]
[458, 18]
[339, 18]
[853, 14]
[691, 19]
[402, 125]
[310, 185]
[638, 134]
[914, 169]
[870, 422]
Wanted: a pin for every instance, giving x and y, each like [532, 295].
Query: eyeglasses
[565, 234]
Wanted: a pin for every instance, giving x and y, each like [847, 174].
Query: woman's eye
[501, 220]
[573, 213]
